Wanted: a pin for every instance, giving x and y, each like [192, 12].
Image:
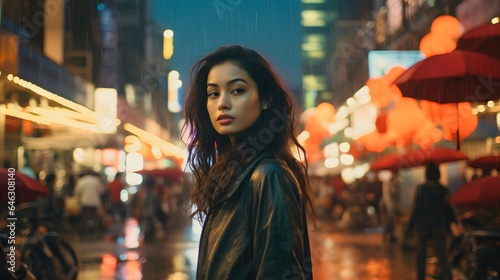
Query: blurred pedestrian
[391, 191]
[146, 204]
[27, 168]
[163, 188]
[49, 201]
[117, 206]
[431, 217]
[89, 189]
[372, 187]
[250, 191]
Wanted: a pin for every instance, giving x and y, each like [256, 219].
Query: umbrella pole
[458, 125]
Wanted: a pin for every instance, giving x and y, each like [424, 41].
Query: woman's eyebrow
[229, 83]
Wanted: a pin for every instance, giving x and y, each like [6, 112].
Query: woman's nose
[224, 102]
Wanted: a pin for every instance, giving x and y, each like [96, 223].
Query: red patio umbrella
[388, 162]
[483, 192]
[483, 39]
[416, 158]
[438, 155]
[459, 76]
[486, 162]
[26, 189]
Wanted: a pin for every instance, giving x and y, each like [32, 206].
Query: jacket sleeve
[278, 246]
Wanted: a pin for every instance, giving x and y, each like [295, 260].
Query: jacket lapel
[244, 174]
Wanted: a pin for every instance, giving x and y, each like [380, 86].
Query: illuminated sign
[381, 62]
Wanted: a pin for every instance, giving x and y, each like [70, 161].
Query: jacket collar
[232, 188]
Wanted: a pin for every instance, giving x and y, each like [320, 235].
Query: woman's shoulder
[270, 165]
[273, 180]
[272, 169]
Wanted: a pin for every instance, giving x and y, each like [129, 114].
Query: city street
[373, 113]
[337, 254]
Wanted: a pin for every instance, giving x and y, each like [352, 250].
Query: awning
[69, 141]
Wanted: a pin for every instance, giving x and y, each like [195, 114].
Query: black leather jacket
[258, 230]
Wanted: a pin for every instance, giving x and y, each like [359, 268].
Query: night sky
[271, 27]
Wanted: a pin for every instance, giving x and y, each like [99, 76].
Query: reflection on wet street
[336, 254]
[359, 255]
[122, 253]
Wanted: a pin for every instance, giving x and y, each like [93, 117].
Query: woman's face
[233, 100]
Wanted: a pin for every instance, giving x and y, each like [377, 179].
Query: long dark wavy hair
[216, 161]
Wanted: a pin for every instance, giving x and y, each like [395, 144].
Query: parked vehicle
[475, 253]
[47, 255]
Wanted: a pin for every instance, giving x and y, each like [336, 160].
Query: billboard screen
[380, 62]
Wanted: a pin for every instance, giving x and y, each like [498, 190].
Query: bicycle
[433, 270]
[47, 255]
[486, 253]
[475, 253]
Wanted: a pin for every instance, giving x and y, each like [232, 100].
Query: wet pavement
[362, 254]
[336, 254]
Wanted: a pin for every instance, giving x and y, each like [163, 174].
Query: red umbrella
[416, 158]
[486, 162]
[436, 154]
[483, 192]
[483, 39]
[387, 162]
[26, 189]
[459, 76]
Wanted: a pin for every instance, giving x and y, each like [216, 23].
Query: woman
[249, 190]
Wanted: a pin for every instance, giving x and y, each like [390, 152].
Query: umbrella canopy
[486, 162]
[26, 188]
[416, 158]
[483, 192]
[438, 155]
[484, 39]
[459, 76]
[388, 162]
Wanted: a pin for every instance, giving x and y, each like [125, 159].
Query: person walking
[118, 209]
[372, 187]
[48, 203]
[431, 217]
[391, 190]
[89, 189]
[146, 204]
[250, 191]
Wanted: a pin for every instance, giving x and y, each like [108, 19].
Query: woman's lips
[225, 119]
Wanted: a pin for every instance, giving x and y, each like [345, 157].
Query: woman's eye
[237, 91]
[213, 94]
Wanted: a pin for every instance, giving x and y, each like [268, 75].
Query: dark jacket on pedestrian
[432, 206]
[257, 229]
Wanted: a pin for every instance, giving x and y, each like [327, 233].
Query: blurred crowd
[91, 195]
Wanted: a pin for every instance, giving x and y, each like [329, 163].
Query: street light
[168, 44]
[173, 84]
